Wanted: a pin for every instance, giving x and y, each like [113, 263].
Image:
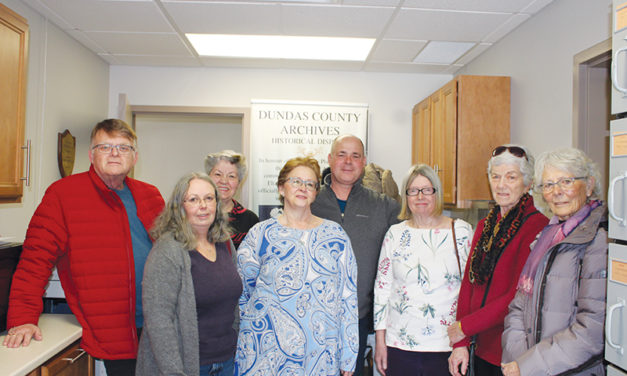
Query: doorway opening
[173, 141]
[592, 105]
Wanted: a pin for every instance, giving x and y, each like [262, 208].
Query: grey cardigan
[559, 328]
[169, 340]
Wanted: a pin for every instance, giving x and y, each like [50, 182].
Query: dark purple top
[217, 287]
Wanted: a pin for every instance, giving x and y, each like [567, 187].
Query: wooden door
[421, 133]
[447, 148]
[13, 57]
[444, 128]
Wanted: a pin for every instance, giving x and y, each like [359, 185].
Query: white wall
[67, 88]
[539, 57]
[391, 97]
[175, 144]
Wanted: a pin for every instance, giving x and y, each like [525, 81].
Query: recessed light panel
[442, 52]
[281, 47]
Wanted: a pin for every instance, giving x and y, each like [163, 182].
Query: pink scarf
[552, 234]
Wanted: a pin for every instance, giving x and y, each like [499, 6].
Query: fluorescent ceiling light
[442, 52]
[281, 47]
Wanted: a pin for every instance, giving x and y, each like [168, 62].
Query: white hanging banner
[281, 130]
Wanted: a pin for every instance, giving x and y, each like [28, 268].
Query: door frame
[239, 112]
[582, 62]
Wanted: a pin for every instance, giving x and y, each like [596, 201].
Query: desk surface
[59, 331]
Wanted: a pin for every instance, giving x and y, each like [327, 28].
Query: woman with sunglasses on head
[190, 287]
[500, 247]
[555, 322]
[299, 304]
[418, 279]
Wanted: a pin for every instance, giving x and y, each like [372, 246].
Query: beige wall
[67, 89]
[390, 97]
[539, 57]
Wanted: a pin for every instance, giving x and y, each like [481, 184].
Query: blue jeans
[225, 368]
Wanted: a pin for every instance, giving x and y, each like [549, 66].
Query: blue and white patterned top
[298, 308]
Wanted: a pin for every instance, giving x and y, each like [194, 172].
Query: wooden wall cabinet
[13, 58]
[455, 129]
[72, 361]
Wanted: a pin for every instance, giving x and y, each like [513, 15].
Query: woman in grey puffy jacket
[555, 322]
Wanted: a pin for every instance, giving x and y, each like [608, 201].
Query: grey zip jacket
[367, 217]
[558, 330]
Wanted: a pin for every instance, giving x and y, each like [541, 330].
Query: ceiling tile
[508, 6]
[140, 43]
[149, 32]
[100, 15]
[400, 51]
[86, 41]
[382, 3]
[404, 68]
[226, 18]
[164, 61]
[42, 8]
[444, 25]
[442, 52]
[335, 20]
[473, 53]
[536, 6]
[505, 28]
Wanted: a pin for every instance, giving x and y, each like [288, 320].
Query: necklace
[494, 239]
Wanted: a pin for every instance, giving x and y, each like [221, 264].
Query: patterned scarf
[552, 234]
[494, 237]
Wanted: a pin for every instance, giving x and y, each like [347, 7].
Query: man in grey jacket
[364, 214]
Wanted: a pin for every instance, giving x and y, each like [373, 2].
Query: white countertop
[59, 331]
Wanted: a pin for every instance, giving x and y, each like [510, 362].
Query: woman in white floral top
[418, 280]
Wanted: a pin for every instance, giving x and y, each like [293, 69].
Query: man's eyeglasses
[310, 185]
[197, 201]
[108, 148]
[427, 191]
[565, 183]
[514, 150]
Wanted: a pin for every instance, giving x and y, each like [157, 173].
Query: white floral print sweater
[417, 285]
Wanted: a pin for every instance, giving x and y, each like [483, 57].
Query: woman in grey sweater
[190, 287]
[555, 322]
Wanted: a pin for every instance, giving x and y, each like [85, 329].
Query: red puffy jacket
[81, 226]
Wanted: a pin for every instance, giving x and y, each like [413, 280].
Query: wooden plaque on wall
[13, 61]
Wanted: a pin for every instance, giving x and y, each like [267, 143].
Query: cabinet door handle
[77, 357]
[614, 71]
[608, 326]
[27, 177]
[610, 198]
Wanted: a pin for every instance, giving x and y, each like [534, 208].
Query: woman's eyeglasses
[565, 183]
[514, 150]
[427, 191]
[310, 185]
[196, 201]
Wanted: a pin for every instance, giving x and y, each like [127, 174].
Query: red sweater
[81, 227]
[488, 320]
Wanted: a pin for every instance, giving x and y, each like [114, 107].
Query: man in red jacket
[94, 227]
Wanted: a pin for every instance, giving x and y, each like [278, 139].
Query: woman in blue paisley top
[418, 280]
[298, 308]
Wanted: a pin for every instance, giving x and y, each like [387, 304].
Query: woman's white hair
[571, 160]
[525, 165]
